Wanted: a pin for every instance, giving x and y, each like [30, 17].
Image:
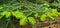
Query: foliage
[28, 11]
[56, 3]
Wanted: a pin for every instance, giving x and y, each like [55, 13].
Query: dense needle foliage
[27, 11]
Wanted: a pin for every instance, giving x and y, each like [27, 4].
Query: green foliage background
[27, 11]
